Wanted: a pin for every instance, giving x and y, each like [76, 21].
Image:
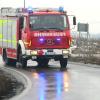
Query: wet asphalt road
[78, 83]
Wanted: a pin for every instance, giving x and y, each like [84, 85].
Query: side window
[21, 22]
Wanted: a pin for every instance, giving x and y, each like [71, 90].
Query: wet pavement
[51, 84]
[77, 83]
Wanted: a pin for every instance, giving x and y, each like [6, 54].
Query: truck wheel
[63, 62]
[43, 62]
[8, 61]
[21, 60]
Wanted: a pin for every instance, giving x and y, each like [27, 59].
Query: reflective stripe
[5, 40]
[3, 21]
[9, 41]
[1, 36]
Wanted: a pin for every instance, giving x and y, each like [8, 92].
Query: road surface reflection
[51, 83]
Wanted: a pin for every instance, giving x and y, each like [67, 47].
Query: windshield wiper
[55, 28]
[48, 28]
[40, 28]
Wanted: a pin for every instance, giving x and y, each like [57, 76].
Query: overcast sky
[86, 11]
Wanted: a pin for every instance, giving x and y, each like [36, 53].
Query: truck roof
[25, 11]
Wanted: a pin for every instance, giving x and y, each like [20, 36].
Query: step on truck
[33, 33]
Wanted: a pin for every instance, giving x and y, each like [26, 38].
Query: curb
[20, 77]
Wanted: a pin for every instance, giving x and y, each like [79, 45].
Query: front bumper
[48, 53]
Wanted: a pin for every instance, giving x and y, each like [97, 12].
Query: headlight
[34, 52]
[65, 51]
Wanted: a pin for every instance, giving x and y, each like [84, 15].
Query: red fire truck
[37, 34]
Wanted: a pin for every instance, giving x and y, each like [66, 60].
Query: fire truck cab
[37, 34]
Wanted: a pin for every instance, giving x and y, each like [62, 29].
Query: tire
[21, 60]
[8, 61]
[63, 63]
[43, 63]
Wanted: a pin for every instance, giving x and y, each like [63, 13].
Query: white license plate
[50, 53]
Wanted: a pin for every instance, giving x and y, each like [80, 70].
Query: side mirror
[74, 20]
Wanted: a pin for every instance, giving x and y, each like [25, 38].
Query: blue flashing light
[58, 39]
[41, 40]
[30, 9]
[61, 9]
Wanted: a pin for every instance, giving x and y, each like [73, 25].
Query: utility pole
[24, 4]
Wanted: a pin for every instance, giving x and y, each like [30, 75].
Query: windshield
[42, 22]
